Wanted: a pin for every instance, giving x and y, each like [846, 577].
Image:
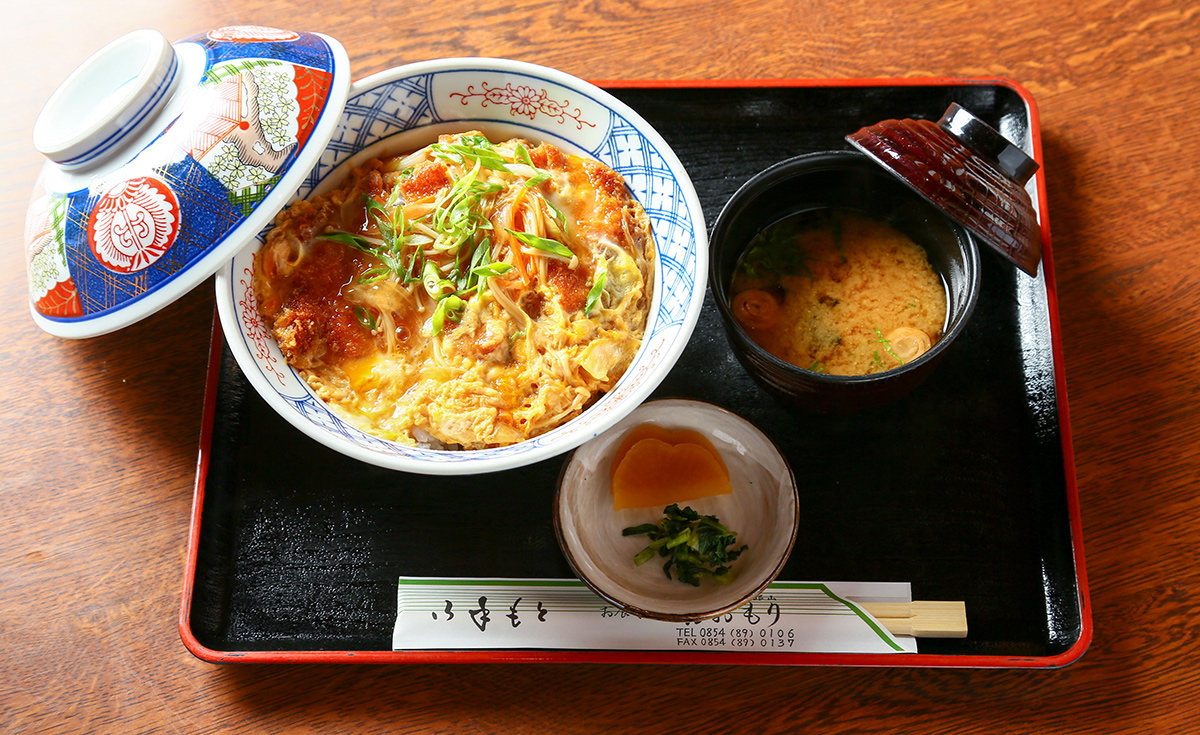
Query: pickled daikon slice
[654, 466]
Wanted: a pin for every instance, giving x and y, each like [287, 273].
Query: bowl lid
[969, 171]
[165, 160]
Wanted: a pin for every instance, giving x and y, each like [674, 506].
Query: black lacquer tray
[965, 488]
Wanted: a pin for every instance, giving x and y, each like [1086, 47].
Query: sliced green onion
[491, 270]
[593, 297]
[541, 243]
[415, 268]
[345, 238]
[523, 156]
[435, 285]
[365, 318]
[374, 275]
[374, 207]
[450, 308]
[477, 149]
[482, 254]
[537, 180]
[558, 215]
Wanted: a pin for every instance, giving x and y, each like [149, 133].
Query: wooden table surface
[100, 436]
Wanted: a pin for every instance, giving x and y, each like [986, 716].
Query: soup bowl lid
[166, 159]
[967, 169]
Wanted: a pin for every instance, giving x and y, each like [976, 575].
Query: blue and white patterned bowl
[408, 107]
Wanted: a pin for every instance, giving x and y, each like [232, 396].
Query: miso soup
[837, 292]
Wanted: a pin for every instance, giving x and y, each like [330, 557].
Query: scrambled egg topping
[466, 295]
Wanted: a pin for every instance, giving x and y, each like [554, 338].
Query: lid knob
[106, 99]
[987, 142]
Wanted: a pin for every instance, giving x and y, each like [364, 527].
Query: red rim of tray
[919, 660]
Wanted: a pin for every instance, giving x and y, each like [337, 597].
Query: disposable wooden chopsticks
[923, 619]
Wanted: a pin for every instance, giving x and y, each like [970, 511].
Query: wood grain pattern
[100, 436]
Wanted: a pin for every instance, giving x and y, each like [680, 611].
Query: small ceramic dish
[843, 180]
[763, 510]
[406, 108]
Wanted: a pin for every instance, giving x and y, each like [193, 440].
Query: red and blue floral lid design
[172, 173]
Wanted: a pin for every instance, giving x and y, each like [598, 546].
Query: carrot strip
[511, 224]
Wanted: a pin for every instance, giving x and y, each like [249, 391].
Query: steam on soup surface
[837, 292]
